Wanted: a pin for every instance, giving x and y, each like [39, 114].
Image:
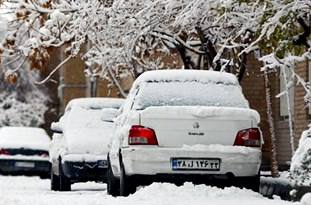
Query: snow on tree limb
[127, 32]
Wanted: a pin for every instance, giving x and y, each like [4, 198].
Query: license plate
[207, 164]
[25, 164]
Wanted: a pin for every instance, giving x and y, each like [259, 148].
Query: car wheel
[113, 183]
[54, 182]
[65, 184]
[127, 186]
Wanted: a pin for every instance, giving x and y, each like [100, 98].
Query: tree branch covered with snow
[131, 36]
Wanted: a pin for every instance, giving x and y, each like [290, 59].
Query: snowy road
[34, 191]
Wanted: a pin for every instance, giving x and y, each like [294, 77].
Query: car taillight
[140, 135]
[4, 152]
[249, 137]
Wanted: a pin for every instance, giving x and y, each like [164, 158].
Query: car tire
[55, 182]
[44, 176]
[113, 183]
[64, 182]
[127, 186]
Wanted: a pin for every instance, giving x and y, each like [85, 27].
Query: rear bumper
[85, 171]
[20, 166]
[238, 161]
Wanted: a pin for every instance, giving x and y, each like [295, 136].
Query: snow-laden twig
[54, 71]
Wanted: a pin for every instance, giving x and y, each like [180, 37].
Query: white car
[24, 150]
[184, 125]
[79, 147]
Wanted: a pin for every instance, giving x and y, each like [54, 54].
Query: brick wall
[301, 116]
[72, 81]
[253, 86]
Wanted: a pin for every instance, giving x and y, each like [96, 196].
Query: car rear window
[190, 93]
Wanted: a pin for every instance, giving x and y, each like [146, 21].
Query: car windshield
[191, 93]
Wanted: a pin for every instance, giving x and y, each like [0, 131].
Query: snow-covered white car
[79, 147]
[24, 150]
[184, 125]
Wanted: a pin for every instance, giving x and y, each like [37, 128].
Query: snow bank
[24, 137]
[282, 179]
[301, 162]
[32, 190]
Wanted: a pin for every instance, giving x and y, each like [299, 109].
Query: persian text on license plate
[25, 164]
[207, 164]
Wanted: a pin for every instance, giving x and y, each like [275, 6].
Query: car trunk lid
[187, 125]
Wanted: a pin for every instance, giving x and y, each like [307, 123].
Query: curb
[269, 188]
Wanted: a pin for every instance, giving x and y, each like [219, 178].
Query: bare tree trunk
[290, 117]
[242, 69]
[209, 49]
[274, 162]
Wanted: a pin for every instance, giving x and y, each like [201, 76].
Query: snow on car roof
[95, 103]
[188, 88]
[204, 76]
[24, 137]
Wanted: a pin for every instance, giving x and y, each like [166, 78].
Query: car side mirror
[56, 127]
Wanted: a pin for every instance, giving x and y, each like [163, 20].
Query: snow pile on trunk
[24, 137]
[203, 112]
[300, 170]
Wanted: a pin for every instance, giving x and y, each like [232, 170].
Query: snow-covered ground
[34, 191]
